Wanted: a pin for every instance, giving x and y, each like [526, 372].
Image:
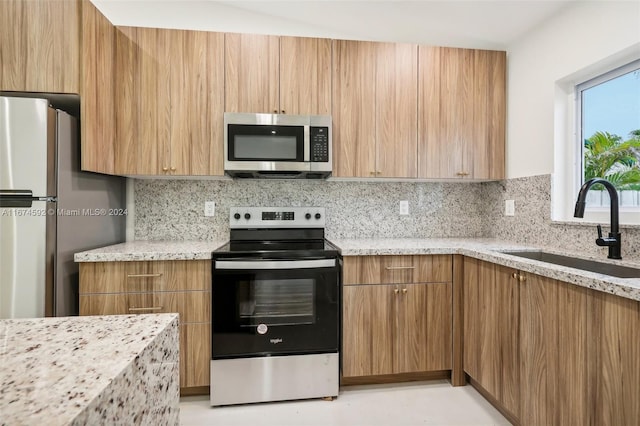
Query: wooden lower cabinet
[396, 328]
[613, 330]
[553, 348]
[577, 348]
[490, 331]
[195, 354]
[397, 315]
[117, 288]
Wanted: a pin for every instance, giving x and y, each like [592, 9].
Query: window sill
[587, 223]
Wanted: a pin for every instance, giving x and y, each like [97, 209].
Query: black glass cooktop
[295, 249]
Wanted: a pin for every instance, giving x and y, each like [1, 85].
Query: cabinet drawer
[153, 276]
[193, 306]
[397, 269]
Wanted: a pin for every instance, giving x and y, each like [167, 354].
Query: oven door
[274, 307]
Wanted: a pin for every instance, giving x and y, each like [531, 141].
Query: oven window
[276, 302]
[257, 147]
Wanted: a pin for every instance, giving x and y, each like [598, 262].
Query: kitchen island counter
[120, 369]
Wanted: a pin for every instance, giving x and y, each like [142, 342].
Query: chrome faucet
[613, 241]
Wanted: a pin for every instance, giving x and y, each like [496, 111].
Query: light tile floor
[418, 403]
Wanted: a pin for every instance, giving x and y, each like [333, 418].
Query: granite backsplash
[532, 222]
[174, 210]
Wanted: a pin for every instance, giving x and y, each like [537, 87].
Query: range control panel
[276, 217]
[319, 144]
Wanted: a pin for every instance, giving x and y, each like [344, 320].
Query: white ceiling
[462, 23]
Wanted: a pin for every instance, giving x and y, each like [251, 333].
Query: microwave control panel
[319, 144]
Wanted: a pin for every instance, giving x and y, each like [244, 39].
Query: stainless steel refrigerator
[49, 209]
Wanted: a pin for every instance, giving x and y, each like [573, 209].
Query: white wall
[575, 45]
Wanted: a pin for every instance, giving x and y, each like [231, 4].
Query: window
[608, 112]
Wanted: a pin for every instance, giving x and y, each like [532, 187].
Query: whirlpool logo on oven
[275, 341]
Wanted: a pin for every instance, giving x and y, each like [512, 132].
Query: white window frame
[568, 172]
[603, 78]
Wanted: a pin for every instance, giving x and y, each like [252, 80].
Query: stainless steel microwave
[277, 146]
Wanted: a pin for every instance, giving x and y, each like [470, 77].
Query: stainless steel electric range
[276, 308]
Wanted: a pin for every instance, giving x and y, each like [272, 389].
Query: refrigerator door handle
[21, 198]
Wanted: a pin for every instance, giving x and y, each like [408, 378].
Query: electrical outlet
[209, 208]
[509, 207]
[404, 207]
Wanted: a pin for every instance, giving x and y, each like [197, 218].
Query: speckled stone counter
[106, 370]
[488, 249]
[491, 250]
[151, 250]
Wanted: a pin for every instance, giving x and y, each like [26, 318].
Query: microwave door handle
[307, 144]
[274, 264]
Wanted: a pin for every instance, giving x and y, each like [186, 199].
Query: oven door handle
[274, 264]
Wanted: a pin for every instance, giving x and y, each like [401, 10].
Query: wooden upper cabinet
[170, 102]
[272, 74]
[40, 45]
[97, 104]
[374, 109]
[251, 81]
[461, 113]
[305, 76]
[354, 113]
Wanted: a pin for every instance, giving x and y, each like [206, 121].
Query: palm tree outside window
[609, 133]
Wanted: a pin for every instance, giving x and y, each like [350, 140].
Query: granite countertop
[56, 370]
[151, 250]
[491, 250]
[488, 249]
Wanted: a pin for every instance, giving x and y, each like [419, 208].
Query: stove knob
[236, 216]
[247, 216]
[307, 216]
[318, 215]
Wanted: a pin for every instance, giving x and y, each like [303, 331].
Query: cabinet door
[368, 325]
[354, 108]
[486, 149]
[538, 350]
[97, 91]
[614, 354]
[251, 73]
[423, 338]
[491, 345]
[573, 405]
[446, 79]
[40, 46]
[461, 113]
[553, 351]
[396, 117]
[305, 76]
[195, 355]
[143, 108]
[197, 102]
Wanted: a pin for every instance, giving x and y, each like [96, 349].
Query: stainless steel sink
[573, 262]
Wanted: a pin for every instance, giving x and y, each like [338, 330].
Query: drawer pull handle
[155, 308]
[389, 268]
[404, 291]
[143, 275]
